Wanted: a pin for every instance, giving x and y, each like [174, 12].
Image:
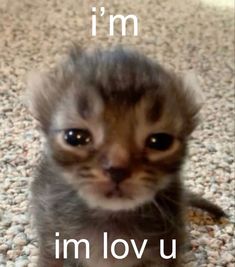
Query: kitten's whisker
[149, 179]
[86, 176]
[150, 171]
[87, 182]
[170, 199]
[163, 214]
[86, 168]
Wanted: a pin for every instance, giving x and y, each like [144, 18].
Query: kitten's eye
[159, 141]
[77, 137]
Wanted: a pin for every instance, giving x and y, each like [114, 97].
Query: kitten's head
[116, 124]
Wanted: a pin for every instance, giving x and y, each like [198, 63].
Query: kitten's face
[117, 126]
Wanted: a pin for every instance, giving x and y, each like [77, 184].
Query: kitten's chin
[116, 203]
[115, 200]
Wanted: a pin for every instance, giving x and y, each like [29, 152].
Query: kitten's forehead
[124, 79]
[107, 85]
[119, 75]
[85, 106]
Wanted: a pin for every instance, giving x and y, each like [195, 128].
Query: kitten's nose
[118, 174]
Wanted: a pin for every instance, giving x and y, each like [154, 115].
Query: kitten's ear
[73, 53]
[193, 100]
[40, 96]
[193, 91]
[45, 89]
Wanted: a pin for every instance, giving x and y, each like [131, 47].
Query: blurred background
[182, 35]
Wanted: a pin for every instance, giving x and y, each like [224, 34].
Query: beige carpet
[182, 35]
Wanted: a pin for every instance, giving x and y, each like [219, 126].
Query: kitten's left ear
[193, 92]
[193, 101]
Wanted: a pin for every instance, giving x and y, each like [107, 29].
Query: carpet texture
[181, 35]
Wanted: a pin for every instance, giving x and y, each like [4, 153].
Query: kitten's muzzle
[118, 174]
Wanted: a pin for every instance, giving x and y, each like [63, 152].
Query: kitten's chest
[110, 246]
[115, 241]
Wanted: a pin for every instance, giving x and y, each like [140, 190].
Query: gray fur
[110, 86]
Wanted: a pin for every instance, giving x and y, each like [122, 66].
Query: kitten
[116, 126]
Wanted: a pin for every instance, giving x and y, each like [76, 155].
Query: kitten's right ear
[41, 96]
[45, 89]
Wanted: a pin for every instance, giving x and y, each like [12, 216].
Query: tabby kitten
[116, 126]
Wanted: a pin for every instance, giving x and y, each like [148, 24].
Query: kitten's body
[121, 179]
[59, 209]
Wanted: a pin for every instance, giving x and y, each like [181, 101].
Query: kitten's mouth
[110, 196]
[115, 193]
